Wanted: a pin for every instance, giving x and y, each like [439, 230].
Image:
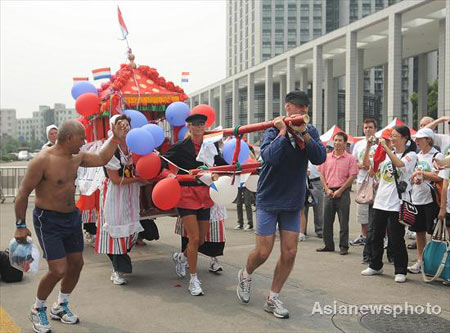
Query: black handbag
[408, 212]
[310, 199]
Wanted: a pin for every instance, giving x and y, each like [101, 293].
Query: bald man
[57, 221]
[425, 121]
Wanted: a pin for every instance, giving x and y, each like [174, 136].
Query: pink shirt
[337, 169]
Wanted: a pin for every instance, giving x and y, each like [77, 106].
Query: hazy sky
[44, 44]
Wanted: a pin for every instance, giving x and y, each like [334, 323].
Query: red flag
[123, 27]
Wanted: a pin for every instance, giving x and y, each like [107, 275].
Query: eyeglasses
[197, 123]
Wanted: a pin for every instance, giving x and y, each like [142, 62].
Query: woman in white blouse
[387, 202]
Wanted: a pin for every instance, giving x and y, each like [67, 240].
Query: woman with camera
[421, 193]
[402, 161]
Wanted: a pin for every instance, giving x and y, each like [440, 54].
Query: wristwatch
[20, 223]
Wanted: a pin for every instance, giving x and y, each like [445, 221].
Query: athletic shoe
[214, 265]
[38, 317]
[416, 268]
[243, 287]
[248, 227]
[385, 242]
[238, 227]
[301, 237]
[411, 234]
[275, 306]
[369, 271]
[358, 241]
[117, 278]
[400, 278]
[195, 287]
[180, 264]
[62, 312]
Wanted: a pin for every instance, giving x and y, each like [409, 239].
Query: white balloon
[225, 193]
[252, 183]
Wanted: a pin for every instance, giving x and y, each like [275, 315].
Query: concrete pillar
[422, 87]
[317, 118]
[211, 104]
[200, 99]
[385, 96]
[235, 103]
[360, 94]
[290, 70]
[351, 83]
[282, 94]
[330, 100]
[441, 72]
[222, 106]
[410, 62]
[191, 102]
[395, 45]
[250, 103]
[268, 101]
[447, 64]
[304, 80]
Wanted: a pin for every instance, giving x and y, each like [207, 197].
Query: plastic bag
[24, 256]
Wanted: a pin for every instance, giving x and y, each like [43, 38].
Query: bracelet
[21, 225]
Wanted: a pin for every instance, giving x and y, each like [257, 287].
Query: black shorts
[58, 233]
[447, 220]
[425, 218]
[202, 213]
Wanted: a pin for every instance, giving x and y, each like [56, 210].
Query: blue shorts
[58, 233]
[266, 222]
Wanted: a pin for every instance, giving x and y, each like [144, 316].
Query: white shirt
[313, 172]
[358, 153]
[421, 193]
[445, 174]
[387, 195]
[443, 141]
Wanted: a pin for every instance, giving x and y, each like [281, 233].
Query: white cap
[424, 133]
[49, 128]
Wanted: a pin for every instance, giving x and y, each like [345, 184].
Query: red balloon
[135, 158]
[166, 193]
[207, 111]
[87, 104]
[148, 166]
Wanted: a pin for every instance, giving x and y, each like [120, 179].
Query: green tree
[433, 100]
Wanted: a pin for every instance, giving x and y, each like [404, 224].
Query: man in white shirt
[362, 210]
[317, 192]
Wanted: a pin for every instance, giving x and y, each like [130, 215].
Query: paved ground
[157, 300]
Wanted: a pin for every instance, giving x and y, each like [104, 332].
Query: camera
[373, 140]
[402, 186]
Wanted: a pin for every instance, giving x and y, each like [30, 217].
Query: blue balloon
[176, 113]
[228, 151]
[137, 118]
[157, 133]
[140, 141]
[182, 133]
[80, 88]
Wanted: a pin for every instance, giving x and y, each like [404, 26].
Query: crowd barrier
[10, 178]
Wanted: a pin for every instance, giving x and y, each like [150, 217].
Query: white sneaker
[301, 237]
[195, 287]
[117, 278]
[214, 265]
[400, 278]
[275, 306]
[180, 263]
[411, 235]
[38, 318]
[416, 268]
[62, 312]
[369, 271]
[243, 287]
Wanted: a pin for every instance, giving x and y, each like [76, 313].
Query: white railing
[10, 178]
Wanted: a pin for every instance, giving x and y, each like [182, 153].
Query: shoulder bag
[366, 192]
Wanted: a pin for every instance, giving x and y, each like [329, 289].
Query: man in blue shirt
[280, 198]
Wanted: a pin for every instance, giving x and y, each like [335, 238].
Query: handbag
[366, 191]
[310, 199]
[408, 212]
[435, 257]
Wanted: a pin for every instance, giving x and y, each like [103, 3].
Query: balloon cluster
[223, 191]
[87, 102]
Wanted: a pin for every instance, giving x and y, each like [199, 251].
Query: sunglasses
[197, 123]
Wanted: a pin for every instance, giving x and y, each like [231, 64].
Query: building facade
[350, 72]
[8, 123]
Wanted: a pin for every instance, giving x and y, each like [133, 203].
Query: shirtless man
[57, 221]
